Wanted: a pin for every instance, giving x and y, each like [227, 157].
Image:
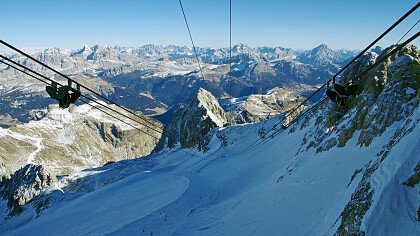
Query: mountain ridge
[335, 171]
[126, 74]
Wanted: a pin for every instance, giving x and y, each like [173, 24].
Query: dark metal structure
[65, 95]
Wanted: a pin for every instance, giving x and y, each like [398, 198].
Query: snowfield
[274, 189]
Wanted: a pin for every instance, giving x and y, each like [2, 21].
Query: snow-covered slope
[338, 171]
[269, 190]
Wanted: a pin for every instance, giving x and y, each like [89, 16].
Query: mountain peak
[320, 55]
[207, 101]
[240, 47]
[323, 45]
[192, 123]
[84, 51]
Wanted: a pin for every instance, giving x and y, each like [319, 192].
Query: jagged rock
[37, 114]
[102, 53]
[387, 94]
[191, 124]
[8, 121]
[24, 185]
[415, 178]
[258, 107]
[392, 84]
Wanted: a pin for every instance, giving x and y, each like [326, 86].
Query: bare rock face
[190, 124]
[258, 107]
[394, 84]
[65, 140]
[25, 184]
[102, 53]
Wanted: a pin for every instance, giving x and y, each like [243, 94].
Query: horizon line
[188, 46]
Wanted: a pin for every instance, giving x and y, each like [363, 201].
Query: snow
[215, 118]
[410, 91]
[161, 191]
[270, 190]
[394, 203]
[63, 119]
[330, 129]
[99, 115]
[208, 102]
[403, 60]
[36, 141]
[3, 132]
[166, 73]
[212, 67]
[58, 126]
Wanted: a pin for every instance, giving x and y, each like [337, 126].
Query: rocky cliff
[25, 184]
[191, 123]
[385, 105]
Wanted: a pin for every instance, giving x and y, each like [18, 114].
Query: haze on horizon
[290, 24]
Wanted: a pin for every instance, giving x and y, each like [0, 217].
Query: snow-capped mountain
[320, 55]
[84, 52]
[324, 56]
[349, 170]
[136, 76]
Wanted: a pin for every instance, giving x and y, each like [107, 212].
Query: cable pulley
[339, 93]
[65, 95]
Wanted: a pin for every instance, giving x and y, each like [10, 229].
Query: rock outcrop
[257, 107]
[387, 96]
[394, 84]
[24, 185]
[190, 124]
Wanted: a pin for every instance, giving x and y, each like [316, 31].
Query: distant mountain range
[319, 55]
[153, 78]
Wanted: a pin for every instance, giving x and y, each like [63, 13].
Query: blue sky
[287, 23]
